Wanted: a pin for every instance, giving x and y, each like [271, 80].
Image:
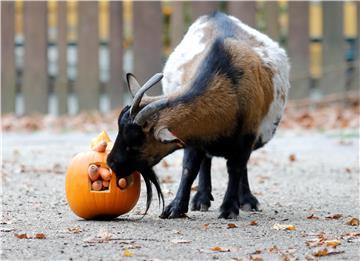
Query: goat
[225, 88]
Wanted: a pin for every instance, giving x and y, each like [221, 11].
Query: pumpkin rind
[97, 204]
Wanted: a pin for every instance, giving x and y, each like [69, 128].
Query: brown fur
[216, 111]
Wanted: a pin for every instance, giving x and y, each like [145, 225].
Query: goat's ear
[132, 83]
[166, 136]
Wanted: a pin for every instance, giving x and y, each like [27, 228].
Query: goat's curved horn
[138, 96]
[149, 110]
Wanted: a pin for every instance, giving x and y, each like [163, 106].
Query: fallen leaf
[22, 236]
[253, 223]
[27, 236]
[332, 243]
[292, 157]
[256, 258]
[312, 216]
[353, 222]
[74, 230]
[334, 216]
[283, 227]
[205, 226]
[326, 252]
[231, 225]
[180, 241]
[219, 249]
[194, 188]
[321, 252]
[127, 253]
[40, 236]
[274, 249]
[167, 179]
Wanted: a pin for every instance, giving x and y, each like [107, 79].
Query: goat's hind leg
[191, 165]
[202, 198]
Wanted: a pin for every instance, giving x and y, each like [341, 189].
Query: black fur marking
[217, 62]
[259, 143]
[224, 25]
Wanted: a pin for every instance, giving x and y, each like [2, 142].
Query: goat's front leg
[202, 198]
[191, 165]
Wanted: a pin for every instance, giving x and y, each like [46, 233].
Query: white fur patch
[191, 45]
[269, 51]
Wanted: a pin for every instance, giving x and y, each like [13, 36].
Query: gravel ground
[322, 180]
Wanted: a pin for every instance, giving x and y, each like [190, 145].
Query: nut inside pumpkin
[102, 183]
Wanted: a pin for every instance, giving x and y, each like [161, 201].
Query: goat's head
[140, 143]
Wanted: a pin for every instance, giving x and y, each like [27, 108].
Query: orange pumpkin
[107, 203]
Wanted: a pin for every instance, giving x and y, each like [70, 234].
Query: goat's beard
[151, 178]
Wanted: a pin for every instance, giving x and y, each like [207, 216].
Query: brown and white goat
[225, 88]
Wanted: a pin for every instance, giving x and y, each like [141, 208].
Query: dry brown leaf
[180, 241]
[127, 253]
[332, 243]
[292, 157]
[353, 222]
[220, 249]
[321, 252]
[283, 227]
[231, 225]
[312, 216]
[167, 179]
[27, 236]
[74, 230]
[23, 236]
[40, 236]
[194, 188]
[205, 226]
[274, 249]
[334, 216]
[326, 252]
[253, 223]
[256, 258]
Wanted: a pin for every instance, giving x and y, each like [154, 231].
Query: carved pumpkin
[89, 203]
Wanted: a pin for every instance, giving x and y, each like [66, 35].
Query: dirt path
[323, 180]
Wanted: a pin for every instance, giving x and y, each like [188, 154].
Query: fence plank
[272, 19]
[116, 86]
[177, 23]
[199, 8]
[61, 83]
[8, 81]
[244, 10]
[87, 82]
[35, 81]
[148, 29]
[333, 63]
[298, 48]
[357, 66]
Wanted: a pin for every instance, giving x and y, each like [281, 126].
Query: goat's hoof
[201, 201]
[229, 210]
[176, 209]
[248, 202]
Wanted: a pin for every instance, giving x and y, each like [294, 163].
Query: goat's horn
[138, 96]
[149, 110]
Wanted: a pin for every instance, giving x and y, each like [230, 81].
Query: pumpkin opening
[99, 177]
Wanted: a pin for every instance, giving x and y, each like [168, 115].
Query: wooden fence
[322, 40]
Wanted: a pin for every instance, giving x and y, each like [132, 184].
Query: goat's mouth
[150, 178]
